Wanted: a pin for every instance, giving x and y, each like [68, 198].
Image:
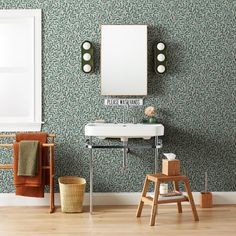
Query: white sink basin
[124, 131]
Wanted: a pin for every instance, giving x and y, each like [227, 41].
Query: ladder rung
[10, 166]
[6, 166]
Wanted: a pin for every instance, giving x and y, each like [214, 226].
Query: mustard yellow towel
[28, 158]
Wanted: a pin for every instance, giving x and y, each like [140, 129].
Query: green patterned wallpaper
[195, 98]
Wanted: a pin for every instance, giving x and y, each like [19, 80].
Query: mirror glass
[124, 60]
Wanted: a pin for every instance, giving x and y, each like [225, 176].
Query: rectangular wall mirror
[124, 60]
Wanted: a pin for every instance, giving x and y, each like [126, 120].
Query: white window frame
[34, 123]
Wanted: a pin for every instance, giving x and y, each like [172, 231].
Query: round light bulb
[160, 46]
[161, 69]
[161, 57]
[86, 56]
[87, 68]
[86, 45]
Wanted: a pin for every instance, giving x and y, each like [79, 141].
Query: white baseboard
[10, 199]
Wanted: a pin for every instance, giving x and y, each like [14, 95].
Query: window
[20, 70]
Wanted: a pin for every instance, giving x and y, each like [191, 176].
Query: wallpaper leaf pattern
[195, 99]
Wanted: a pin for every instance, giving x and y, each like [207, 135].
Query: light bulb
[86, 56]
[161, 57]
[160, 46]
[161, 69]
[86, 45]
[87, 68]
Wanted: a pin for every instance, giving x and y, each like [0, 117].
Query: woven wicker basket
[72, 190]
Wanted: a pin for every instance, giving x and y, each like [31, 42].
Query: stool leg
[144, 192]
[190, 197]
[155, 203]
[176, 187]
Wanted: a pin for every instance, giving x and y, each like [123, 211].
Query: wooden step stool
[157, 179]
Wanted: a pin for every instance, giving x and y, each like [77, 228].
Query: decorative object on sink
[170, 166]
[206, 197]
[87, 57]
[150, 112]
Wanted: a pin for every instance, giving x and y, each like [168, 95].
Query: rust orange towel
[31, 186]
[42, 138]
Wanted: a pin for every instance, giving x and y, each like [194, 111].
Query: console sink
[124, 131]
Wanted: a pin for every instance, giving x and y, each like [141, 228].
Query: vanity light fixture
[160, 46]
[161, 69]
[160, 58]
[87, 52]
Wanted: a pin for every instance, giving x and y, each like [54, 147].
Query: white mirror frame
[124, 60]
[20, 70]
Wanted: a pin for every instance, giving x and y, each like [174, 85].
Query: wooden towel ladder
[50, 166]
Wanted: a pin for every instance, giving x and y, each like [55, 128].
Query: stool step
[174, 200]
[149, 200]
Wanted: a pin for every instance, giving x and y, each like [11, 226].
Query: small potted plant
[206, 197]
[150, 112]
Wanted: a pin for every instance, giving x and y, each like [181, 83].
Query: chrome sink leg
[156, 155]
[158, 144]
[125, 149]
[91, 178]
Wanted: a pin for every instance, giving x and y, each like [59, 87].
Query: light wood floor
[117, 220]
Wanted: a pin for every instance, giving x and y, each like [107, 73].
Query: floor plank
[117, 220]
